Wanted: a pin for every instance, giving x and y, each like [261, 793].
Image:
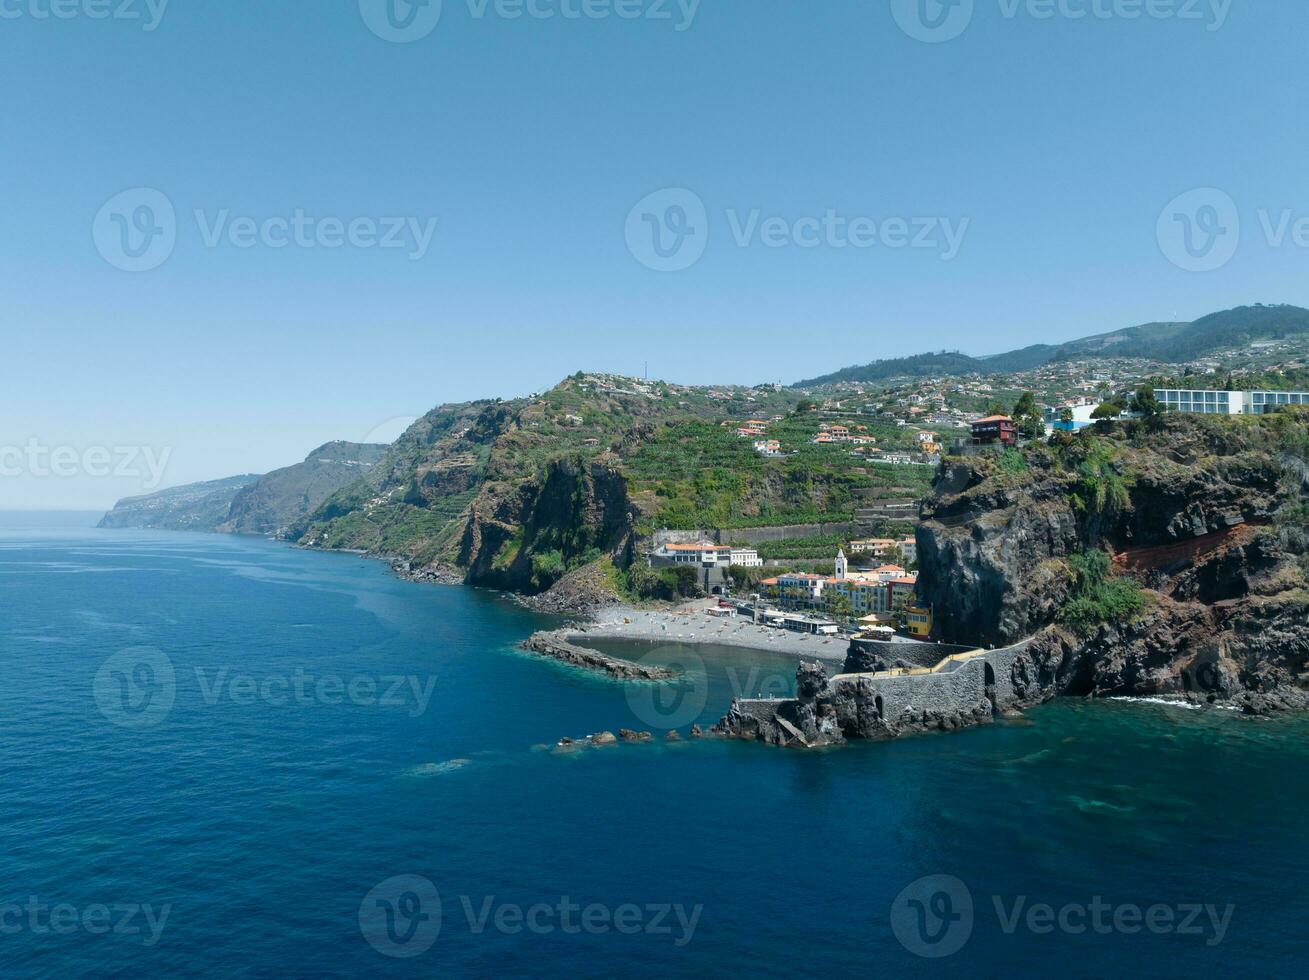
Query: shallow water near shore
[262, 815]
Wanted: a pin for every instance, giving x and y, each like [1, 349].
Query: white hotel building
[1228, 402]
[707, 553]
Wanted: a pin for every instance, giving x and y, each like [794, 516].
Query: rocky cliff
[193, 507]
[1206, 522]
[284, 496]
[525, 535]
[250, 504]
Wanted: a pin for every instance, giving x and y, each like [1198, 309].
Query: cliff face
[523, 536]
[1206, 519]
[194, 507]
[250, 504]
[284, 496]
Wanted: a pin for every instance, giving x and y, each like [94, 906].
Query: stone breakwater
[962, 689]
[558, 645]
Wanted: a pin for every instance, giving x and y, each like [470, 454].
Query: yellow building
[918, 621]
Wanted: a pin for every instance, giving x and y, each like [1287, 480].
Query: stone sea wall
[961, 693]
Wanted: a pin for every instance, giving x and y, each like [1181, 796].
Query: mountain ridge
[249, 504]
[1170, 342]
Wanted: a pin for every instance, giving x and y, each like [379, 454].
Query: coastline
[591, 619]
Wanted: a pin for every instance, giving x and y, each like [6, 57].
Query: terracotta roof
[994, 418]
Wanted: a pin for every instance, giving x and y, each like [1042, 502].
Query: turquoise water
[261, 819]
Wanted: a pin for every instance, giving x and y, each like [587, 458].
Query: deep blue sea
[226, 757]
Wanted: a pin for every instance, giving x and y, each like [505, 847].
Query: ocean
[227, 757]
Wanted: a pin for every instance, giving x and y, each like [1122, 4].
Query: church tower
[841, 563]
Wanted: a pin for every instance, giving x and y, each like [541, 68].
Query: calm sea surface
[225, 757]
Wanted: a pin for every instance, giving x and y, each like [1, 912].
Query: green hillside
[515, 494]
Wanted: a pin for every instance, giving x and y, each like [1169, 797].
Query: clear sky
[1040, 152]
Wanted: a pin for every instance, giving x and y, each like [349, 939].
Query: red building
[995, 428]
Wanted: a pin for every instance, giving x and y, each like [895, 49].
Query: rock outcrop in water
[558, 645]
[1207, 516]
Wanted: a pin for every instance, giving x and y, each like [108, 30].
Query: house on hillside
[995, 429]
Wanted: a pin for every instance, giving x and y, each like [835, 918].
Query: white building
[1227, 402]
[706, 553]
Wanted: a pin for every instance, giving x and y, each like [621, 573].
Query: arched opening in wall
[717, 590]
[990, 684]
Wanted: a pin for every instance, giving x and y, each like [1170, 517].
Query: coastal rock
[627, 735]
[557, 645]
[1208, 516]
[603, 738]
[585, 591]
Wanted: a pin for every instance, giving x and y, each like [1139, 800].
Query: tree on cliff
[1106, 412]
[1145, 404]
[1031, 424]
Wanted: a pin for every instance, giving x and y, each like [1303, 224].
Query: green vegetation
[1030, 421]
[1013, 461]
[819, 546]
[700, 475]
[668, 584]
[1146, 404]
[1101, 487]
[1098, 596]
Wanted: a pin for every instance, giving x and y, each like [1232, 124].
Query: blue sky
[1048, 145]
